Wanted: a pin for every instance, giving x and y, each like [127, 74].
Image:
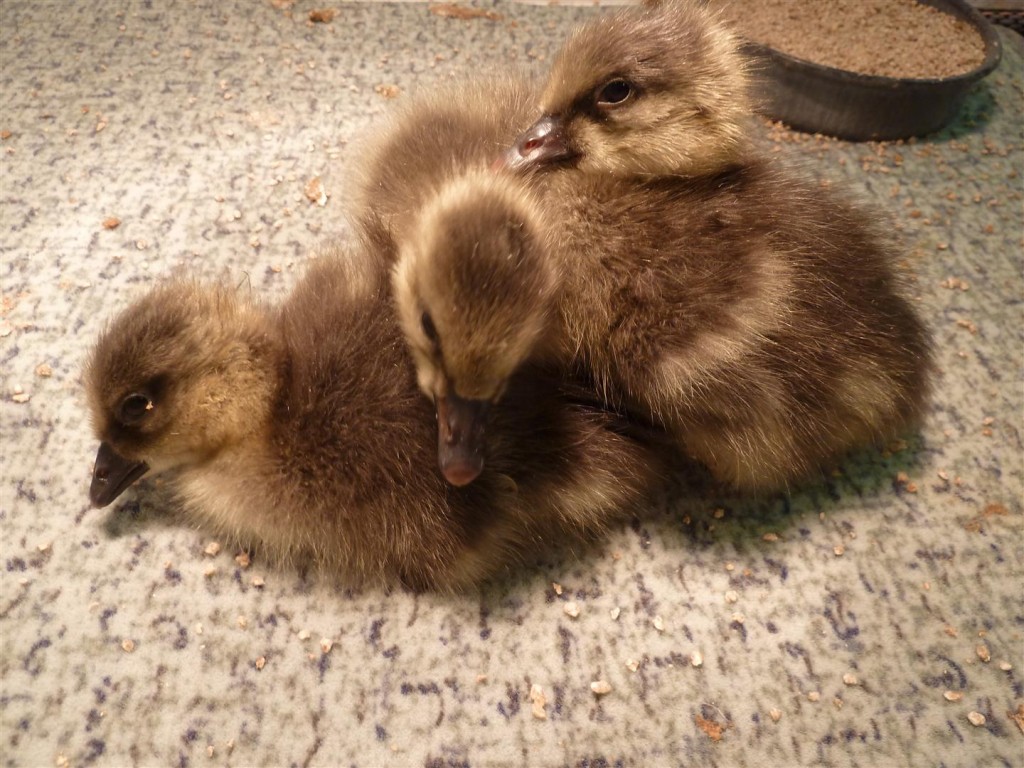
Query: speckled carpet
[874, 620]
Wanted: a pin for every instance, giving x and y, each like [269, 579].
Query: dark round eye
[614, 92]
[428, 327]
[134, 408]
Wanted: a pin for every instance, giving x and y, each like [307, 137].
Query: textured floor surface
[859, 622]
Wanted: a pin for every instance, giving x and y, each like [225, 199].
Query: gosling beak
[460, 438]
[112, 475]
[543, 143]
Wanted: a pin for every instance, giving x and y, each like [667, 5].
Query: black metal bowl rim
[993, 54]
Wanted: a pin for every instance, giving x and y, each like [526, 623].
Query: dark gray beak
[543, 143]
[460, 438]
[112, 475]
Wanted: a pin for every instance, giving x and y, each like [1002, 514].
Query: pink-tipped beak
[543, 143]
[460, 438]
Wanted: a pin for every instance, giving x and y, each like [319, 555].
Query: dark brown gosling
[299, 432]
[755, 316]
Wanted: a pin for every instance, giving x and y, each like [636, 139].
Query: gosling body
[299, 432]
[756, 318]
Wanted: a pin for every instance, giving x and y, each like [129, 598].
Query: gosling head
[653, 90]
[474, 288]
[172, 380]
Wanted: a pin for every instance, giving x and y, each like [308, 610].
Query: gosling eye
[614, 92]
[429, 329]
[134, 408]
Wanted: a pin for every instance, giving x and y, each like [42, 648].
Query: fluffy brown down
[429, 139]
